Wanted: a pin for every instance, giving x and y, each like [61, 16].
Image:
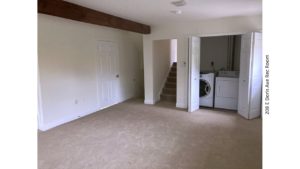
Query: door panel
[250, 84]
[256, 77]
[107, 71]
[243, 102]
[194, 74]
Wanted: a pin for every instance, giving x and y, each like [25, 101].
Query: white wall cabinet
[250, 81]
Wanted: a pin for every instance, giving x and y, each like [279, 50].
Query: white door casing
[108, 77]
[194, 74]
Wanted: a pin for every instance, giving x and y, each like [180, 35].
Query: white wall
[173, 50]
[148, 71]
[67, 52]
[214, 49]
[161, 64]
[224, 26]
[237, 52]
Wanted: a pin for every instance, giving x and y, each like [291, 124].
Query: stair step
[172, 71]
[171, 98]
[171, 91]
[170, 85]
[173, 68]
[171, 79]
[172, 74]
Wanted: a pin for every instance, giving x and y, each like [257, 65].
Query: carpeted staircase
[169, 90]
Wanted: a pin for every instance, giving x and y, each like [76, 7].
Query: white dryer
[226, 93]
[206, 92]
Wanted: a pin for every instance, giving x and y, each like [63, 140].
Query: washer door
[205, 88]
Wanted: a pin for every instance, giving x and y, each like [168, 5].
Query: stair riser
[172, 74]
[171, 80]
[168, 98]
[170, 85]
[169, 91]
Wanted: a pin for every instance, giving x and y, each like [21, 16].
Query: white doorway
[108, 73]
[249, 86]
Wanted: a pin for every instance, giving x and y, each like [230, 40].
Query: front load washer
[206, 91]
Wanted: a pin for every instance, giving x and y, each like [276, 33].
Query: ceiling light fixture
[179, 3]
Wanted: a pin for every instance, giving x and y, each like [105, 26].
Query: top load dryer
[226, 90]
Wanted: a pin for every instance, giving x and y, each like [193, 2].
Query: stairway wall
[161, 65]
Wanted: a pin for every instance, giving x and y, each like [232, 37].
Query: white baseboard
[157, 99]
[181, 105]
[149, 101]
[45, 127]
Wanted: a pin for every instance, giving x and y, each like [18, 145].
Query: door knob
[117, 76]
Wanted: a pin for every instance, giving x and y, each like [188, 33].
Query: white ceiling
[155, 12]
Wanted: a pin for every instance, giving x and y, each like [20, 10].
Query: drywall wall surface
[67, 58]
[148, 71]
[237, 53]
[173, 50]
[161, 64]
[213, 49]
[217, 27]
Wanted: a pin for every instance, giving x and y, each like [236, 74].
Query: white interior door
[194, 74]
[256, 77]
[250, 81]
[244, 100]
[108, 76]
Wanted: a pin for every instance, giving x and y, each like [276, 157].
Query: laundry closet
[231, 73]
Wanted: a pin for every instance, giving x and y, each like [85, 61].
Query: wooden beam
[75, 12]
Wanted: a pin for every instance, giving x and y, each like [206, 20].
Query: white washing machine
[206, 91]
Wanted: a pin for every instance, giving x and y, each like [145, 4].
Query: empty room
[139, 84]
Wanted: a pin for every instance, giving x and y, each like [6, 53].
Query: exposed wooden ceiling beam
[75, 12]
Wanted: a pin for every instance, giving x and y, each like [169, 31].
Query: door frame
[202, 36]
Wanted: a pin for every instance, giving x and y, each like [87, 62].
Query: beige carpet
[132, 135]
